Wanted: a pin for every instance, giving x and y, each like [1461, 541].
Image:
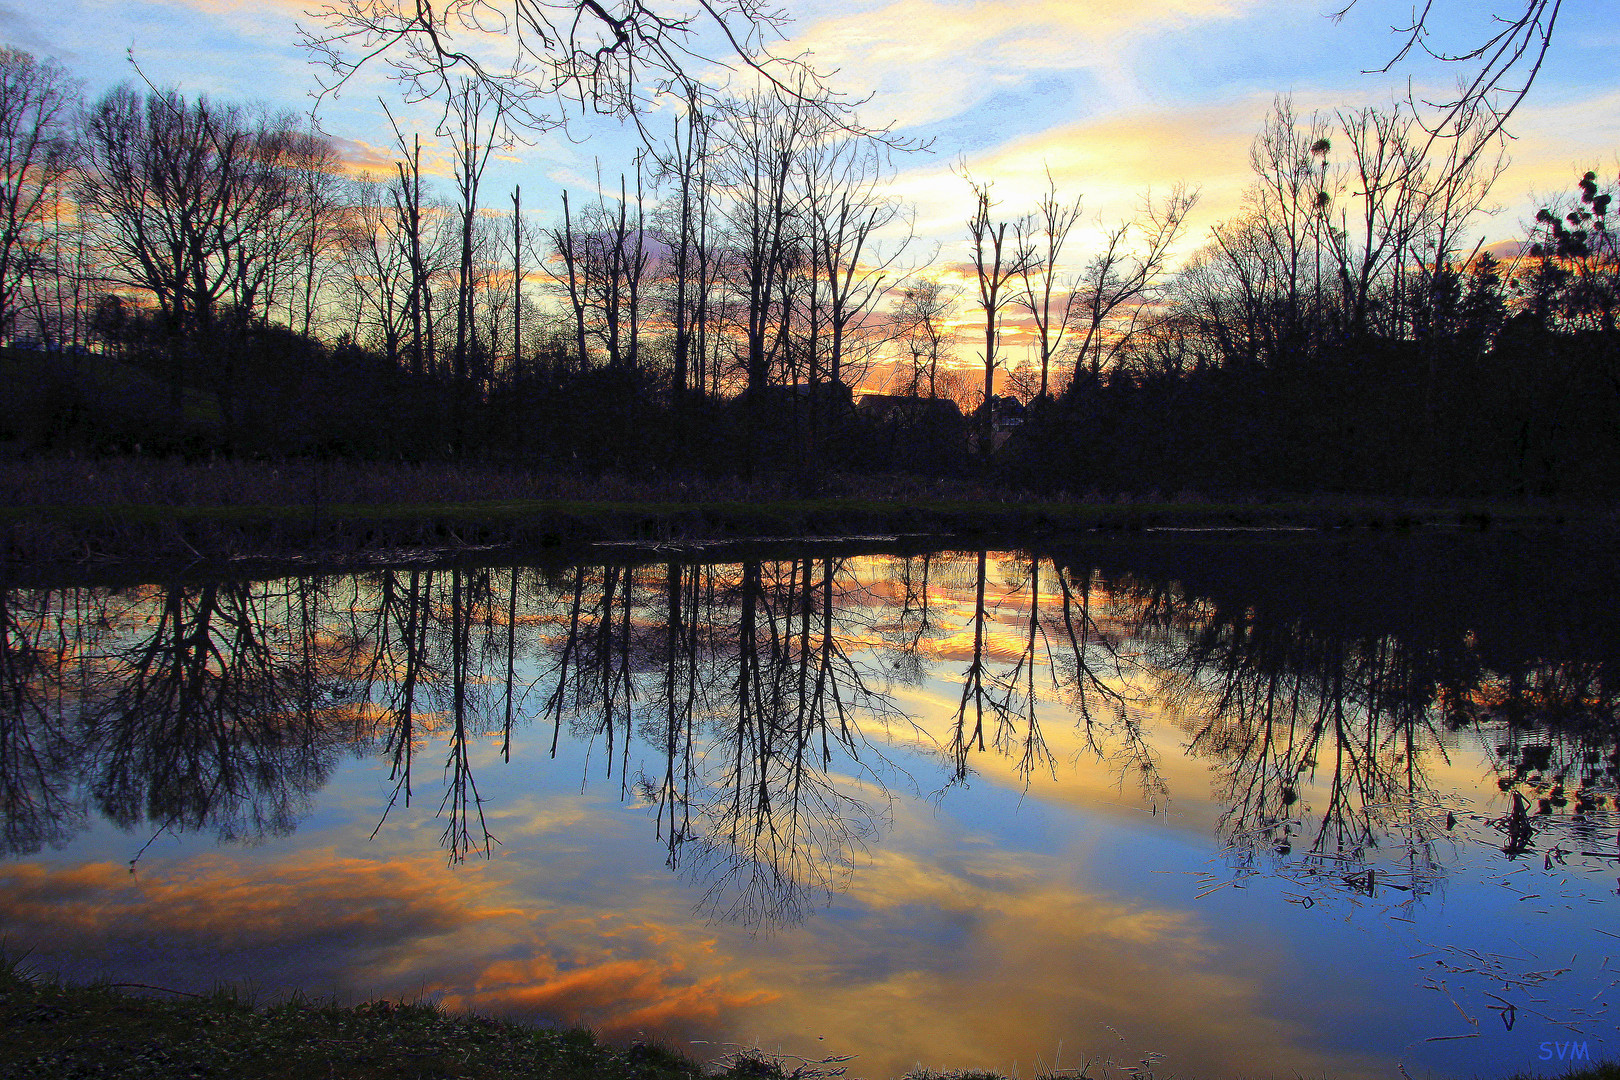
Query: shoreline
[108, 536]
[116, 1030]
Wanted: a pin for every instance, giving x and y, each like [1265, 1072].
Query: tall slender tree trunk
[517, 287]
[571, 258]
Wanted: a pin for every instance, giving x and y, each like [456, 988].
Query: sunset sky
[1114, 97]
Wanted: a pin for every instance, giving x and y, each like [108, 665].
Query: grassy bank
[65, 510]
[116, 1032]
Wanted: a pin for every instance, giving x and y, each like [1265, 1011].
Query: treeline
[181, 276]
[263, 301]
[1337, 337]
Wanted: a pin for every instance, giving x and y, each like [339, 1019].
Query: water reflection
[1363, 686]
[751, 706]
[1361, 724]
[36, 786]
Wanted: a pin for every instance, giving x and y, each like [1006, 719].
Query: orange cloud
[358, 157]
[1110, 161]
[990, 958]
[617, 998]
[944, 951]
[366, 927]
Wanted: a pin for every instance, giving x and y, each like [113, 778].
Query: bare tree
[690, 269]
[518, 236]
[1121, 283]
[60, 275]
[314, 225]
[1290, 195]
[1573, 281]
[375, 256]
[765, 134]
[472, 144]
[920, 320]
[563, 247]
[188, 201]
[996, 265]
[36, 155]
[605, 268]
[545, 58]
[407, 195]
[846, 210]
[1046, 234]
[1331, 250]
[1228, 291]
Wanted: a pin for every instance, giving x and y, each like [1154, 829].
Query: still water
[1188, 804]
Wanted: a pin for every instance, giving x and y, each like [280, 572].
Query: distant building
[1006, 414]
[828, 395]
[903, 408]
[904, 432]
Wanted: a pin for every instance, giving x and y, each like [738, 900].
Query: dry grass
[129, 481]
[233, 482]
[125, 481]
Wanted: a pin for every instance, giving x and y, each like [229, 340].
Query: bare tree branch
[545, 59]
[1503, 65]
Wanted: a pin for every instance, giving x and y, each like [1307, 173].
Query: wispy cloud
[1558, 138]
[20, 31]
[932, 59]
[358, 156]
[1112, 162]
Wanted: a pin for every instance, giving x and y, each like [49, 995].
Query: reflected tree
[201, 718]
[779, 827]
[41, 635]
[1320, 739]
[740, 703]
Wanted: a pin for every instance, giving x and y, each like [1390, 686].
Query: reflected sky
[961, 810]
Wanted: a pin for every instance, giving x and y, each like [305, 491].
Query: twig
[149, 986]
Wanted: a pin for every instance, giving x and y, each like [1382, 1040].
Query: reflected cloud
[1005, 957]
[617, 998]
[397, 927]
[222, 901]
[744, 860]
[1004, 951]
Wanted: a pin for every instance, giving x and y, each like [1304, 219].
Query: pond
[1189, 804]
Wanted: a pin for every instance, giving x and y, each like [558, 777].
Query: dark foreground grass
[49, 1030]
[121, 1032]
